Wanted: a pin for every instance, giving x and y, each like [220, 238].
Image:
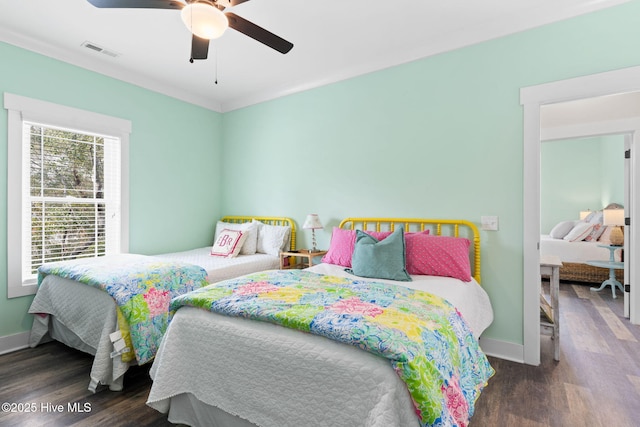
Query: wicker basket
[575, 272]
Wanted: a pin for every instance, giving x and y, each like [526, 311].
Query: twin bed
[254, 350]
[85, 317]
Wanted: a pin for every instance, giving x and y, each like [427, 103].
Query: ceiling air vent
[95, 47]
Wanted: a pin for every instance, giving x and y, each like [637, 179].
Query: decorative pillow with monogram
[228, 243]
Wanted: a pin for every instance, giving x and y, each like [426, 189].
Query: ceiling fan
[206, 20]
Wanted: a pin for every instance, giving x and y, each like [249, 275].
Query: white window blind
[71, 196]
[57, 206]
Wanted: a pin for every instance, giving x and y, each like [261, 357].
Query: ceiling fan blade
[258, 33]
[229, 3]
[137, 4]
[199, 48]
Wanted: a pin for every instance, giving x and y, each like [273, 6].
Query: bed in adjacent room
[575, 243]
[406, 299]
[116, 307]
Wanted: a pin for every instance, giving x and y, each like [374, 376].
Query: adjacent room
[296, 126]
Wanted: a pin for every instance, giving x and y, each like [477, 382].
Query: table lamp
[614, 218]
[584, 214]
[313, 223]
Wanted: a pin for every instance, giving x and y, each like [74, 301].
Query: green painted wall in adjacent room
[174, 159]
[579, 175]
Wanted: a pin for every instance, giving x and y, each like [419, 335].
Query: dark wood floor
[596, 382]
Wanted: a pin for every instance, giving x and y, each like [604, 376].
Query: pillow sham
[340, 247]
[343, 242]
[380, 259]
[562, 229]
[579, 232]
[228, 243]
[596, 232]
[443, 256]
[272, 238]
[248, 228]
[595, 217]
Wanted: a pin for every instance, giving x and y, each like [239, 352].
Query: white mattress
[273, 376]
[575, 252]
[82, 317]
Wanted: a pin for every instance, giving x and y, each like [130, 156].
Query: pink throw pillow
[438, 256]
[341, 247]
[343, 242]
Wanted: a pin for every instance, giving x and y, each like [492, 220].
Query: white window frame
[21, 109]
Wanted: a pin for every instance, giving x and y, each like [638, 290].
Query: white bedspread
[82, 317]
[575, 252]
[273, 376]
[220, 268]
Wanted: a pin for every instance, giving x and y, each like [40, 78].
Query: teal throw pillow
[380, 259]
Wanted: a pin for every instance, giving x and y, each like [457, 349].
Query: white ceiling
[332, 41]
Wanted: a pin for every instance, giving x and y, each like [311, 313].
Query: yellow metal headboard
[271, 220]
[450, 227]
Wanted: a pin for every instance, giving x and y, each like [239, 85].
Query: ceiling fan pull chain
[215, 53]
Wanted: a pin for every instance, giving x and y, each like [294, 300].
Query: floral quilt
[142, 288]
[424, 337]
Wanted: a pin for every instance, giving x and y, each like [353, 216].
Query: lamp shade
[312, 222]
[584, 214]
[613, 217]
[204, 20]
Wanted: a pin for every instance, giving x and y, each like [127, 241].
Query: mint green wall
[579, 174]
[174, 159]
[438, 137]
[612, 170]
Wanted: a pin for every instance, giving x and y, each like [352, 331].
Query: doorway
[533, 98]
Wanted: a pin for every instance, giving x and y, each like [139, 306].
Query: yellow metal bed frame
[452, 227]
[271, 220]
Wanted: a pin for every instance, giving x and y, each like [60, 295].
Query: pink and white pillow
[250, 229]
[579, 232]
[228, 243]
[444, 256]
[425, 254]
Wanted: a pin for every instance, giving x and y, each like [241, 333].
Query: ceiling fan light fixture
[204, 20]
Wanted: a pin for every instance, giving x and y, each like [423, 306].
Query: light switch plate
[489, 223]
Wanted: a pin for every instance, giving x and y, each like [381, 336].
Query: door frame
[532, 98]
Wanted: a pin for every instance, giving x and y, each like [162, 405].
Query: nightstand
[612, 265]
[302, 258]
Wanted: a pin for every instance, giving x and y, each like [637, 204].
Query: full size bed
[88, 312]
[575, 243]
[243, 368]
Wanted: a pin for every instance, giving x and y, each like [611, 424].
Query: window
[67, 193]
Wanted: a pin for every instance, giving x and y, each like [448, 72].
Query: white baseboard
[502, 349]
[9, 343]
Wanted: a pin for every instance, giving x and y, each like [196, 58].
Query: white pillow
[562, 229]
[272, 238]
[579, 232]
[249, 228]
[228, 243]
[594, 217]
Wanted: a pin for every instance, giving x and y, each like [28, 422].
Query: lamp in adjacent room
[313, 223]
[614, 218]
[584, 214]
